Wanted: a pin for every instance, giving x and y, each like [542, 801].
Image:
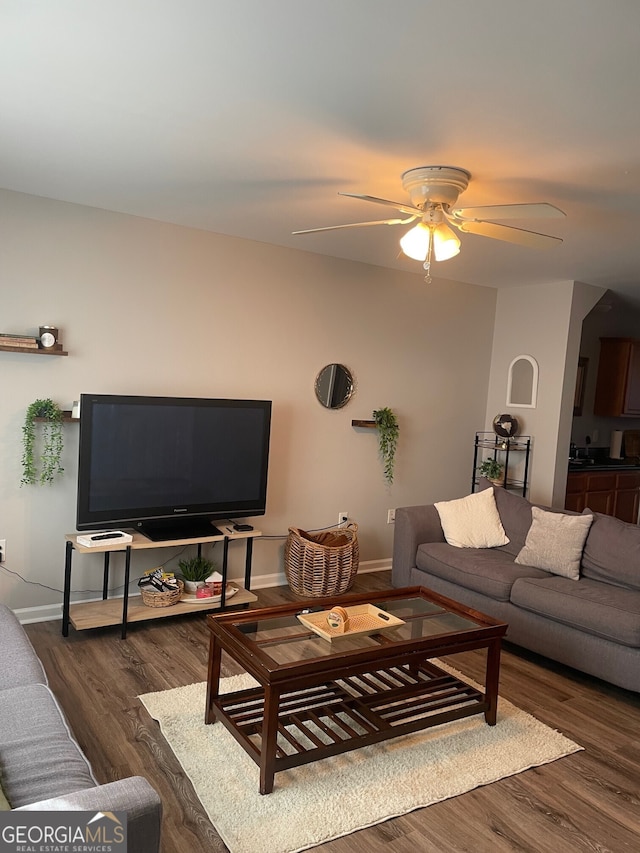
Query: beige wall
[151, 308]
[543, 321]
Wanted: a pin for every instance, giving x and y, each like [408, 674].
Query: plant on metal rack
[492, 470]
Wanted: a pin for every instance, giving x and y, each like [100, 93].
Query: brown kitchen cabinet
[576, 492]
[609, 492]
[627, 504]
[618, 382]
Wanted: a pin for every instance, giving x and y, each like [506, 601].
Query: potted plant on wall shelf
[52, 443]
[194, 572]
[388, 432]
[492, 470]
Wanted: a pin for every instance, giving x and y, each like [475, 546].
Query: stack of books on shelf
[19, 341]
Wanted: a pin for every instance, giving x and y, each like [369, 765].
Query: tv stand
[184, 528]
[128, 609]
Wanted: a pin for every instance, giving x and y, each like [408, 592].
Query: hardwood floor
[588, 801]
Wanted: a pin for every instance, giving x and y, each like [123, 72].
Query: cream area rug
[339, 795]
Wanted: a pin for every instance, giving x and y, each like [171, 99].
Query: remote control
[101, 536]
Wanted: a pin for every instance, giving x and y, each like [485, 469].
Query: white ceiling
[247, 117]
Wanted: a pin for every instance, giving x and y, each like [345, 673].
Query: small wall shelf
[32, 350]
[367, 424]
[66, 419]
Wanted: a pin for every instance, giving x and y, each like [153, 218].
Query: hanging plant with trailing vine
[388, 432]
[52, 443]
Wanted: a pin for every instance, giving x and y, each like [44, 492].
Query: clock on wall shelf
[48, 342]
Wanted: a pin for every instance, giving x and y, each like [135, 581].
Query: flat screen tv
[169, 466]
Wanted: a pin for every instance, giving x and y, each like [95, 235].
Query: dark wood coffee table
[318, 698]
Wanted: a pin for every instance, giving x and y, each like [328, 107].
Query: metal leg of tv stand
[66, 596]
[105, 577]
[125, 598]
[225, 562]
[247, 564]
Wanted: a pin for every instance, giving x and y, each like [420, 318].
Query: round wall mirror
[334, 386]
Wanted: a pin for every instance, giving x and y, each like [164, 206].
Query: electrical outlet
[391, 516]
[3, 550]
[343, 517]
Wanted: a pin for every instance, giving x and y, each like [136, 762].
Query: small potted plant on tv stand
[194, 572]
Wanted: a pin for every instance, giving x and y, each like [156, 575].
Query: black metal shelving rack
[505, 447]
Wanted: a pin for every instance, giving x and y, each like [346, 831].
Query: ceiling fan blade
[359, 225]
[510, 211]
[403, 208]
[509, 234]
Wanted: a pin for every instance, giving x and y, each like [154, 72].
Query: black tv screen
[168, 466]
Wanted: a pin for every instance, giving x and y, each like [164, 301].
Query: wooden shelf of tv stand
[102, 614]
[142, 542]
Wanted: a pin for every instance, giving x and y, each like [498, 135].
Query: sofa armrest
[414, 525]
[20, 664]
[133, 795]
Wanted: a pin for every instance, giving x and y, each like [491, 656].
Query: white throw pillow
[472, 522]
[555, 542]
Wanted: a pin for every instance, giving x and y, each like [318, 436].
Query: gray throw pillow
[555, 542]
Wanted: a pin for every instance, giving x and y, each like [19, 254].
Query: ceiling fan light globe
[415, 243]
[445, 243]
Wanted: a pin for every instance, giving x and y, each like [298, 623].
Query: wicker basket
[317, 568]
[162, 599]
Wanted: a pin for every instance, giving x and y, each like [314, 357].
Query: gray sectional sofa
[42, 768]
[591, 624]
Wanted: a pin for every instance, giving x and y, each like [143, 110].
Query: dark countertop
[602, 465]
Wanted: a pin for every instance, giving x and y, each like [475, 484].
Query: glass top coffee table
[318, 697]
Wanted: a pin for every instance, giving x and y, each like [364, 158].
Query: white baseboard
[41, 613]
[50, 612]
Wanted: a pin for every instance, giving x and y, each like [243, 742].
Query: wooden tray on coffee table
[363, 619]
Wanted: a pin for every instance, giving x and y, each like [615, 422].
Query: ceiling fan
[433, 190]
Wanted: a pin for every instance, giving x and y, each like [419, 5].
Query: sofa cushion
[39, 758]
[487, 571]
[588, 605]
[555, 542]
[612, 552]
[472, 521]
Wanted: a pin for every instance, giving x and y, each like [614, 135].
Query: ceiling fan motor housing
[435, 184]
